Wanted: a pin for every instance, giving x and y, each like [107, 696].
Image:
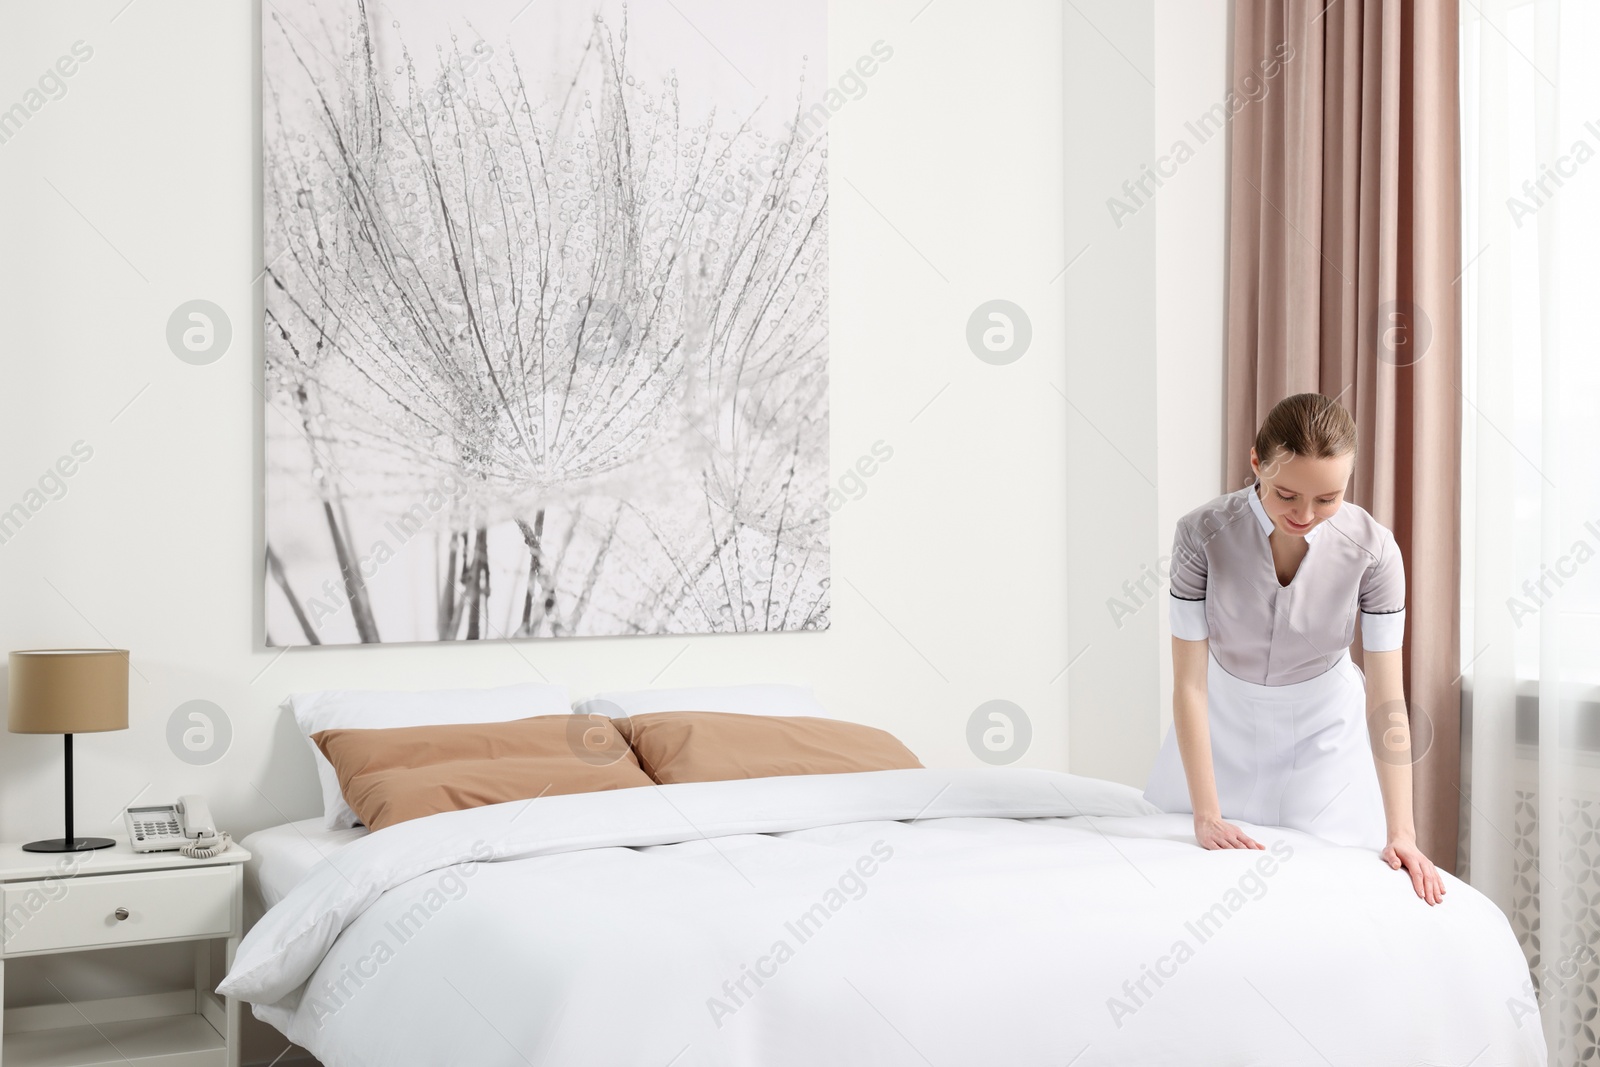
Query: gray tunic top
[1225, 590]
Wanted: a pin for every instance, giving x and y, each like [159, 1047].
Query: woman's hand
[1403, 852]
[1212, 831]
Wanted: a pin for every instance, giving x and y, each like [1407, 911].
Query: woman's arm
[1190, 660]
[1390, 728]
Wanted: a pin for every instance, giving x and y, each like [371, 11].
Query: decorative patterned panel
[1578, 969]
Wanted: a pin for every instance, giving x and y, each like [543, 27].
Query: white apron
[1286, 755]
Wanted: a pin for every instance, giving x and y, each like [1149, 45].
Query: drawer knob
[121, 914]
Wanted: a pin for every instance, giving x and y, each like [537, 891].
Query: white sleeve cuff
[1383, 633]
[1188, 618]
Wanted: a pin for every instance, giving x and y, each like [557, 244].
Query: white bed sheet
[280, 856]
[956, 917]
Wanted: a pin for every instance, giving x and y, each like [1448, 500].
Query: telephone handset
[186, 826]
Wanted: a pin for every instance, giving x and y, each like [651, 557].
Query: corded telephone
[186, 826]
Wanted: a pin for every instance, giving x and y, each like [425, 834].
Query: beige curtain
[1343, 262]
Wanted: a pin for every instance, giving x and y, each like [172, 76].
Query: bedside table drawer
[93, 910]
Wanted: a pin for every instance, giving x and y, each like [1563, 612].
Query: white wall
[1192, 47]
[1110, 386]
[136, 191]
[1144, 351]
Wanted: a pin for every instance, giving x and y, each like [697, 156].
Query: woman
[1269, 712]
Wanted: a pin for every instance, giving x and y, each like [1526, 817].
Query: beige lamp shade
[69, 690]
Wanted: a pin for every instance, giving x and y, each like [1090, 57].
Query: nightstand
[83, 901]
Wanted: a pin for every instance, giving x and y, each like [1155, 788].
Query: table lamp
[69, 691]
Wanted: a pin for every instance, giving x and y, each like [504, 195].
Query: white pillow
[369, 709]
[741, 699]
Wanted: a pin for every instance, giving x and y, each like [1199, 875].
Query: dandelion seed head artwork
[546, 319]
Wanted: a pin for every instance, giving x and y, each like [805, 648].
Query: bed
[282, 856]
[922, 916]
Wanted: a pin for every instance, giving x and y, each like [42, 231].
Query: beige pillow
[712, 746]
[390, 776]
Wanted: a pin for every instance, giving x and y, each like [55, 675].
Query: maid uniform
[1286, 705]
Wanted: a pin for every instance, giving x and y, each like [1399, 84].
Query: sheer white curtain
[1531, 494]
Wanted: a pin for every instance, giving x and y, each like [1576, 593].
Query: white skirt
[1286, 755]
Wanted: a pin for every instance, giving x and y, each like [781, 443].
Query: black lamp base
[75, 844]
[69, 843]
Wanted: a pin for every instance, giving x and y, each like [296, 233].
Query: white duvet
[996, 916]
